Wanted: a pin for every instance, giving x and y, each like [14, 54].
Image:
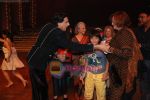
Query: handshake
[103, 47]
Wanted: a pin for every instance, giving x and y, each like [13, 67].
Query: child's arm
[107, 67]
[106, 73]
[82, 76]
[83, 73]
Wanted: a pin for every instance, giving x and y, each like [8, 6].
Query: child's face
[61, 57]
[94, 40]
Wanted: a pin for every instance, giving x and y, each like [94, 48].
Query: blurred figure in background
[11, 60]
[108, 34]
[80, 37]
[143, 36]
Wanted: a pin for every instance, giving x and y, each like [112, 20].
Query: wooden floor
[17, 91]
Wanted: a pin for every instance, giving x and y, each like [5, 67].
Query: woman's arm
[126, 43]
[7, 44]
[107, 67]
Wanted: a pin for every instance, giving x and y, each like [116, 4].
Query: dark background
[93, 12]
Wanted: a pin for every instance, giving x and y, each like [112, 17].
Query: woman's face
[108, 32]
[81, 29]
[115, 25]
[94, 40]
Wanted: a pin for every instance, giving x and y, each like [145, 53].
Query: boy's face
[94, 40]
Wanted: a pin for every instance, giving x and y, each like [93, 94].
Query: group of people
[105, 59]
[112, 56]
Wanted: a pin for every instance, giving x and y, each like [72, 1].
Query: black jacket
[144, 39]
[49, 41]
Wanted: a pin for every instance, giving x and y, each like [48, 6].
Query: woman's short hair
[77, 27]
[121, 19]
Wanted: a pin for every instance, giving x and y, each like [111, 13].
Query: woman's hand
[102, 47]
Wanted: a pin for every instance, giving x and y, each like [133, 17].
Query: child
[96, 67]
[59, 73]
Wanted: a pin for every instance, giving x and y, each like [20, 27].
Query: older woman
[121, 51]
[80, 37]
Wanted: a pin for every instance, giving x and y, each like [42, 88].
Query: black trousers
[39, 84]
[59, 86]
[145, 81]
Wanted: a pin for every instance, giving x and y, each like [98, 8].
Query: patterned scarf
[132, 63]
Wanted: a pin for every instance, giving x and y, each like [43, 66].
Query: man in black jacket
[51, 38]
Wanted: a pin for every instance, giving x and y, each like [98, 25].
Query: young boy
[96, 67]
[60, 74]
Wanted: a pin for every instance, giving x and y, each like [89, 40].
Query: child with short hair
[60, 74]
[96, 71]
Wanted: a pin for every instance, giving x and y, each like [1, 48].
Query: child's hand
[105, 76]
[82, 80]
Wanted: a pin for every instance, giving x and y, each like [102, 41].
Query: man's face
[63, 25]
[143, 19]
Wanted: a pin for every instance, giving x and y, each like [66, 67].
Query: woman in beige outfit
[11, 61]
